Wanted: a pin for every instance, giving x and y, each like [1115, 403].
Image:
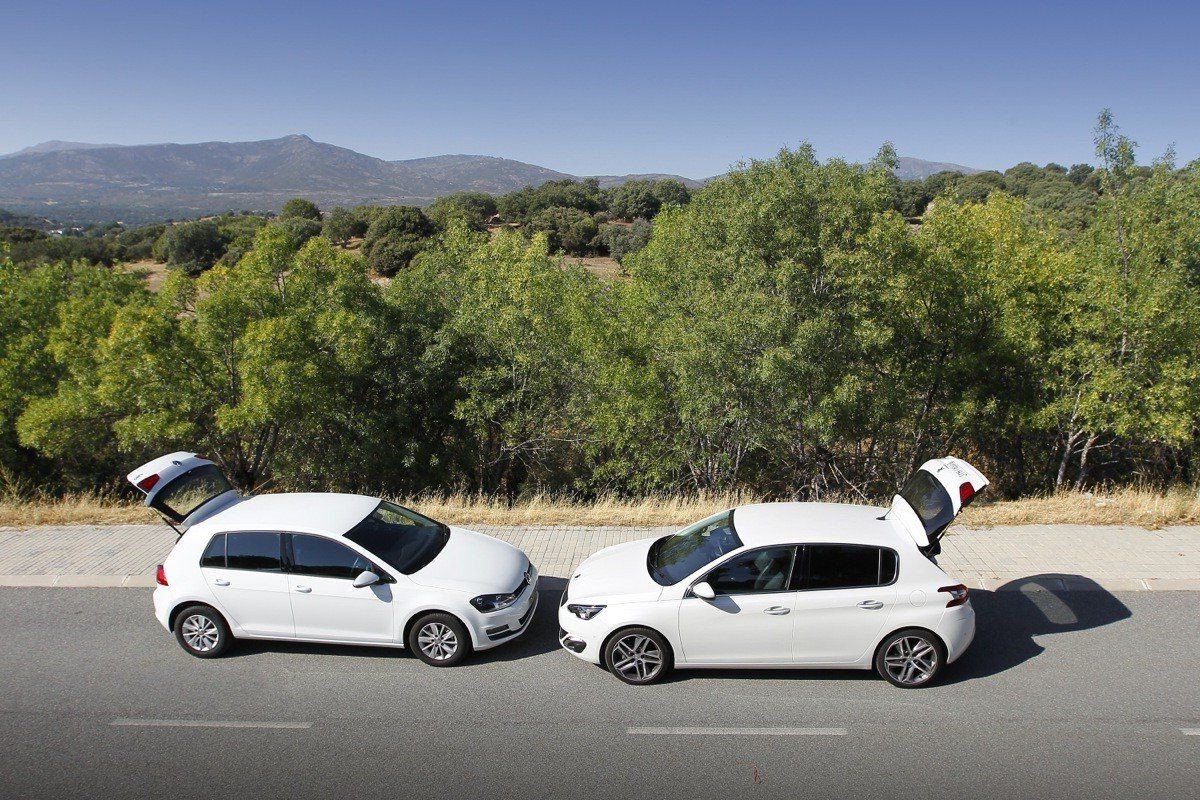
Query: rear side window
[847, 566]
[254, 551]
[766, 570]
[214, 554]
[318, 556]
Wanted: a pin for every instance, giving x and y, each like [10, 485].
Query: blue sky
[608, 87]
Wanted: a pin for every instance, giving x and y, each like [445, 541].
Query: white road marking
[1190, 731]
[737, 731]
[206, 723]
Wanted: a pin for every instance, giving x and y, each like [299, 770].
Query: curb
[1066, 583]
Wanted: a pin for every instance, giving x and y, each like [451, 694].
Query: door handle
[303, 589]
[778, 611]
[221, 582]
[871, 605]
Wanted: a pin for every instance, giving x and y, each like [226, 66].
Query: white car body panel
[823, 628]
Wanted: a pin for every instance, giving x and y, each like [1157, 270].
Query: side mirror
[365, 578]
[703, 591]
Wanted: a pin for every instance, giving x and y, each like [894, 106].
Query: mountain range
[139, 183]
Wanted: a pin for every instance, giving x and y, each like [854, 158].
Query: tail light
[958, 595]
[147, 483]
[965, 493]
[160, 576]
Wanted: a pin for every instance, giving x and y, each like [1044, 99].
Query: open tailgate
[932, 497]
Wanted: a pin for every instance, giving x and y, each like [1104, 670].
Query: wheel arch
[932, 633]
[621, 629]
[417, 616]
[178, 608]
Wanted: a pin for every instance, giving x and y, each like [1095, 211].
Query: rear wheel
[910, 658]
[201, 631]
[638, 656]
[439, 640]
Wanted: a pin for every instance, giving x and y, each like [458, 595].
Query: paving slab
[1068, 557]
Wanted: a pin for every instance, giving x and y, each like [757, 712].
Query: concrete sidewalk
[1081, 557]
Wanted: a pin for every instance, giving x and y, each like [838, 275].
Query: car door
[847, 595]
[750, 619]
[325, 602]
[244, 570]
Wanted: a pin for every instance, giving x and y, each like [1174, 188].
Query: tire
[638, 656]
[910, 658]
[202, 631]
[440, 640]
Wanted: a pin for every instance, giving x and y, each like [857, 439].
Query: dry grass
[1142, 507]
[1133, 506]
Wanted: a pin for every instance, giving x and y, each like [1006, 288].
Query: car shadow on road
[540, 637]
[1007, 620]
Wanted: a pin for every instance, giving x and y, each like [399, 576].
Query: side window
[256, 551]
[316, 555]
[766, 570]
[846, 566]
[214, 554]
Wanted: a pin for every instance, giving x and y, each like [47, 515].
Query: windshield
[189, 491]
[931, 501]
[675, 557]
[401, 538]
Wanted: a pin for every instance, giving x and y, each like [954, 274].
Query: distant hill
[144, 182]
[55, 146]
[83, 182]
[908, 169]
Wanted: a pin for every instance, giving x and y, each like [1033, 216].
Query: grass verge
[1145, 508]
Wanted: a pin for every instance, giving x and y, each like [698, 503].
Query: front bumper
[579, 637]
[499, 627]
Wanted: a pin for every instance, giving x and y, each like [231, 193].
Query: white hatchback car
[796, 585]
[334, 568]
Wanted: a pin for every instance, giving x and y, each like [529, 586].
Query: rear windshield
[931, 501]
[401, 538]
[189, 491]
[674, 557]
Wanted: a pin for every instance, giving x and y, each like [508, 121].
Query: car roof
[325, 513]
[784, 523]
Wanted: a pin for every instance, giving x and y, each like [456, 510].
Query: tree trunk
[1084, 466]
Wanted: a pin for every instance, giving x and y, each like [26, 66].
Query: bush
[567, 229]
[300, 208]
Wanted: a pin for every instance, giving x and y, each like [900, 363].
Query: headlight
[494, 602]
[584, 612]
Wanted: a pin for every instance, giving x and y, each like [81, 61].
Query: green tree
[191, 246]
[341, 225]
[300, 208]
[567, 229]
[473, 209]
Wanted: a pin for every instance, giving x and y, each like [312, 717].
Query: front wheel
[439, 640]
[910, 658]
[638, 656]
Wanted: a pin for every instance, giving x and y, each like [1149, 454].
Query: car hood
[615, 574]
[474, 563]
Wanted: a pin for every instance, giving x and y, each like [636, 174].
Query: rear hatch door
[932, 497]
[184, 487]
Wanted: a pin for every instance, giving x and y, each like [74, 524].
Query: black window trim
[878, 569]
[282, 556]
[796, 548]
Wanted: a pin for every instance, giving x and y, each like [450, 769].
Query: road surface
[1063, 695]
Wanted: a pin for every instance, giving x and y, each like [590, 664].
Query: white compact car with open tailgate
[333, 568]
[803, 585]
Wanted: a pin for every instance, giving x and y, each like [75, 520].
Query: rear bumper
[957, 630]
[164, 601]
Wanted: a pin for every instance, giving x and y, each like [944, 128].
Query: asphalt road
[1063, 695]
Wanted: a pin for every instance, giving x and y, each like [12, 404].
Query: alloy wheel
[910, 660]
[200, 633]
[637, 657]
[437, 641]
